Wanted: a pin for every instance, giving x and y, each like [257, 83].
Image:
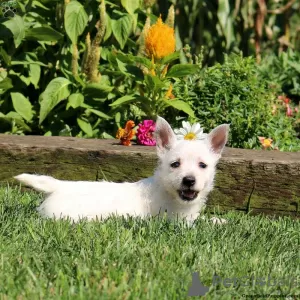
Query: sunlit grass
[136, 259]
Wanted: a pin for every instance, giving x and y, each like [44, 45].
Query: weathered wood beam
[247, 180]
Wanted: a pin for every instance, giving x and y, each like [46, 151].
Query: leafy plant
[41, 89]
[253, 27]
[233, 93]
[283, 73]
[66, 66]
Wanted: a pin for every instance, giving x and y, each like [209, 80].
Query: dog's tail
[40, 183]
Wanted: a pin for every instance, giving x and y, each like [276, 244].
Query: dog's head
[187, 168]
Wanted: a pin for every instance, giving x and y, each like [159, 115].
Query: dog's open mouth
[187, 195]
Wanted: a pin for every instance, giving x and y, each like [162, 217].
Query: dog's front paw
[218, 221]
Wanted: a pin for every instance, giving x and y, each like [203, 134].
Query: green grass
[136, 259]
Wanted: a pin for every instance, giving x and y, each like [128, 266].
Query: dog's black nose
[188, 181]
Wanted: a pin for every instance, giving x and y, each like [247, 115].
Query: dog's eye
[175, 164]
[202, 165]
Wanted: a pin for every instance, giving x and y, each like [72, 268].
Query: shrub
[233, 93]
[76, 69]
[282, 72]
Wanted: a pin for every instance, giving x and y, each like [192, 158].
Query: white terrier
[179, 187]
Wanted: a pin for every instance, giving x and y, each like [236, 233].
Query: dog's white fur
[150, 196]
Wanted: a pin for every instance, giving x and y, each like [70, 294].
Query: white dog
[179, 187]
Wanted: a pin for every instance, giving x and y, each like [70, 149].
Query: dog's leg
[40, 183]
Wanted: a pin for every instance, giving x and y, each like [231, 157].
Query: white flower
[188, 132]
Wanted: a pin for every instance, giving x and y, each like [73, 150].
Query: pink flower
[289, 111]
[285, 99]
[145, 132]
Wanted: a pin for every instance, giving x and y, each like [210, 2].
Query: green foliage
[233, 93]
[75, 20]
[283, 72]
[225, 26]
[79, 69]
[42, 53]
[63, 65]
[149, 89]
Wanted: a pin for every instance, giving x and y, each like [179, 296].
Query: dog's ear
[165, 137]
[218, 138]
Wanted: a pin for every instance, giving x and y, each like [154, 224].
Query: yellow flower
[169, 93]
[160, 40]
[265, 143]
[152, 72]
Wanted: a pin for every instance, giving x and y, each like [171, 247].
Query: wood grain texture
[247, 180]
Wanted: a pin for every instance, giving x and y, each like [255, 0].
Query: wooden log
[247, 180]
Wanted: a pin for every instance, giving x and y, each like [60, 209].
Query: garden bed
[247, 180]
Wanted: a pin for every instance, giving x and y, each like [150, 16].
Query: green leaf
[108, 29]
[136, 72]
[225, 21]
[43, 33]
[121, 29]
[6, 58]
[169, 58]
[105, 135]
[75, 100]
[153, 82]
[85, 127]
[22, 106]
[25, 79]
[182, 70]
[124, 99]
[6, 84]
[35, 74]
[76, 20]
[56, 91]
[16, 25]
[142, 60]
[14, 116]
[294, 65]
[17, 62]
[99, 113]
[130, 5]
[121, 66]
[180, 105]
[97, 90]
[118, 119]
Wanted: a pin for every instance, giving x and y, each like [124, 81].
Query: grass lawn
[135, 259]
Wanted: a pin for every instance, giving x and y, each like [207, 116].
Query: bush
[283, 73]
[75, 69]
[233, 93]
[87, 80]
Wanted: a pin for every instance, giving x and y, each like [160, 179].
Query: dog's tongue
[189, 194]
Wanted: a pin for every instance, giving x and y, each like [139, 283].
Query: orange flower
[125, 135]
[265, 143]
[160, 40]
